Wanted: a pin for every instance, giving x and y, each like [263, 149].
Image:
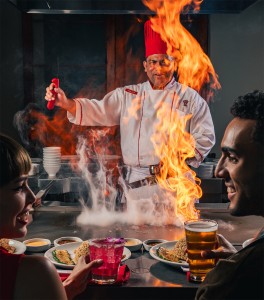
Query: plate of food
[171, 253]
[13, 246]
[66, 256]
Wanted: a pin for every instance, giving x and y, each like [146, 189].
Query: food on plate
[177, 254]
[131, 243]
[180, 249]
[148, 244]
[82, 250]
[62, 242]
[66, 240]
[4, 243]
[63, 257]
[153, 243]
[37, 243]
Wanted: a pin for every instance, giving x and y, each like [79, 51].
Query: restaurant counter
[161, 281]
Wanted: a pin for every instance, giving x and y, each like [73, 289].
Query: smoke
[116, 203]
[225, 225]
[26, 123]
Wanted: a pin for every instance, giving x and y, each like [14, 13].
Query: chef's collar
[168, 86]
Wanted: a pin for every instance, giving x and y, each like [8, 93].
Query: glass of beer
[200, 235]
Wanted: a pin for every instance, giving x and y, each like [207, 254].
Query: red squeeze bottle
[51, 103]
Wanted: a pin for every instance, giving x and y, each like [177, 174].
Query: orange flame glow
[52, 131]
[175, 175]
[58, 131]
[193, 66]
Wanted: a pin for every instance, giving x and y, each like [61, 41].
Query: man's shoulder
[186, 90]
[133, 89]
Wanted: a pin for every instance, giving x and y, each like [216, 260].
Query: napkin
[122, 276]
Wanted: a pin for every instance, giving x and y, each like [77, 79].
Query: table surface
[161, 281]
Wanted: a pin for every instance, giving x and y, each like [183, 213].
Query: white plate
[247, 242]
[20, 247]
[168, 245]
[70, 248]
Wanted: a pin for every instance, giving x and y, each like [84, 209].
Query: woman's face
[16, 199]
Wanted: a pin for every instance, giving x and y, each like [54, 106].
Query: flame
[193, 66]
[47, 131]
[175, 175]
[38, 129]
[173, 145]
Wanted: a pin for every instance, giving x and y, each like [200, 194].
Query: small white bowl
[52, 170]
[133, 244]
[52, 149]
[66, 240]
[152, 242]
[37, 244]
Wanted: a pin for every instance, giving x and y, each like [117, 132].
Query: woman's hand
[77, 281]
[37, 203]
[224, 249]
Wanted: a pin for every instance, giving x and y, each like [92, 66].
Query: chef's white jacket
[136, 129]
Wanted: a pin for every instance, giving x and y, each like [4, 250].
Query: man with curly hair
[240, 274]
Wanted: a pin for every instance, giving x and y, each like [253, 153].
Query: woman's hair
[14, 160]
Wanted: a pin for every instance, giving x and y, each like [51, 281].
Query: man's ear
[145, 65]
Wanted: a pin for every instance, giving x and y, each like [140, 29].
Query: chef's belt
[143, 182]
[154, 169]
[151, 180]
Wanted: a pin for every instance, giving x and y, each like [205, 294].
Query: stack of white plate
[52, 160]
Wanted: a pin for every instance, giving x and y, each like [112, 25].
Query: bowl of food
[152, 242]
[66, 240]
[37, 244]
[133, 244]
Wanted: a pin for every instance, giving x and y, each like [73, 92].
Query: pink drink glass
[110, 250]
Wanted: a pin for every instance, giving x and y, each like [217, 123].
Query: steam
[107, 203]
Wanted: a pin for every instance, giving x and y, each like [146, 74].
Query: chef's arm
[201, 128]
[60, 99]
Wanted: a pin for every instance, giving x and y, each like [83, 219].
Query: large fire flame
[194, 67]
[175, 175]
[195, 70]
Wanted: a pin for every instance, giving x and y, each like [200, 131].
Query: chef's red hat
[153, 42]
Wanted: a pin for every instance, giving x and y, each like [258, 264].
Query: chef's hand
[77, 281]
[224, 249]
[60, 98]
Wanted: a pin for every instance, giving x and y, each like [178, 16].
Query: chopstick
[42, 192]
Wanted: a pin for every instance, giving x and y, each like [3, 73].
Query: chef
[135, 109]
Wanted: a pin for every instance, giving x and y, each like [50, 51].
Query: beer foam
[201, 226]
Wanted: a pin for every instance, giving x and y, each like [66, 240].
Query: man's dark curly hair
[251, 106]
